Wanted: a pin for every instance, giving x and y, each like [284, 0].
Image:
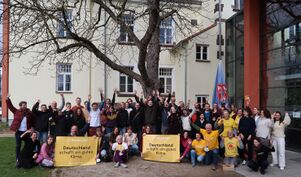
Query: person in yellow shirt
[236, 121]
[211, 138]
[197, 149]
[231, 145]
[227, 122]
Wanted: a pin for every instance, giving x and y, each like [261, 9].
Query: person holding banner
[75, 131]
[120, 152]
[185, 145]
[197, 149]
[45, 158]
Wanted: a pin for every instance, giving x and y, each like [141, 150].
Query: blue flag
[220, 92]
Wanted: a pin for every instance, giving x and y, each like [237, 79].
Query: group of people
[207, 134]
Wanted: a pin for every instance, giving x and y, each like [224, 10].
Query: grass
[7, 162]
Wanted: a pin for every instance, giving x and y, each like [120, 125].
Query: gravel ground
[140, 168]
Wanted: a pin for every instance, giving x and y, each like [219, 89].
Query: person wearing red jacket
[23, 120]
[185, 145]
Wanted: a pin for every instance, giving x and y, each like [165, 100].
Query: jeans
[133, 149]
[279, 154]
[250, 148]
[120, 158]
[103, 153]
[109, 130]
[263, 165]
[230, 160]
[194, 156]
[122, 130]
[18, 143]
[211, 157]
[43, 136]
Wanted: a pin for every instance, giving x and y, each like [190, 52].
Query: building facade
[263, 59]
[187, 63]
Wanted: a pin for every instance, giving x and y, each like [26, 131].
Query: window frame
[64, 74]
[165, 77]
[165, 28]
[201, 96]
[127, 38]
[60, 29]
[126, 82]
[201, 52]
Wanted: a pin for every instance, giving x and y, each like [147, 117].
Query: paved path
[293, 169]
[7, 135]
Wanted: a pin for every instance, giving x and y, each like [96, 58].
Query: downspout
[105, 52]
[219, 30]
[90, 60]
[185, 83]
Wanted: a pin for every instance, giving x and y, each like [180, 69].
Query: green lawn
[7, 162]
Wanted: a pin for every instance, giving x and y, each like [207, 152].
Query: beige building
[187, 64]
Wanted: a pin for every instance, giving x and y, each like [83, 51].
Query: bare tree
[34, 23]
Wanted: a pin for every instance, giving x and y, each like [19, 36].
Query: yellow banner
[163, 148]
[75, 151]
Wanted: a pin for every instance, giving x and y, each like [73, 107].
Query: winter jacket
[42, 118]
[19, 115]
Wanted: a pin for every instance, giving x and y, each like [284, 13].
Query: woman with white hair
[120, 152]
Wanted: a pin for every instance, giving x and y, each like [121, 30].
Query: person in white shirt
[131, 140]
[278, 138]
[94, 115]
[264, 124]
[185, 117]
[256, 114]
[120, 152]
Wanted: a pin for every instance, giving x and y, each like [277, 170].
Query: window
[61, 29]
[165, 76]
[63, 77]
[194, 22]
[166, 31]
[216, 8]
[126, 84]
[238, 5]
[201, 99]
[217, 39]
[129, 21]
[202, 52]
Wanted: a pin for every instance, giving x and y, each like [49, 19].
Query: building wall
[88, 79]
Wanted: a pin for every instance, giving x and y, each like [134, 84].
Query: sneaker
[17, 164]
[244, 162]
[271, 165]
[98, 160]
[281, 168]
[262, 171]
[214, 168]
[123, 165]
[117, 165]
[193, 165]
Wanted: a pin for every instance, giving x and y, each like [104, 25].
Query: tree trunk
[152, 64]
